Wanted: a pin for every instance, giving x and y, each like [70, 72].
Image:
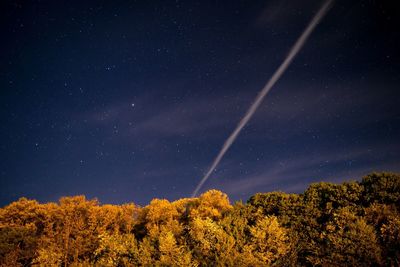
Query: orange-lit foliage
[349, 224]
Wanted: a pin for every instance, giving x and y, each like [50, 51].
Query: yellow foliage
[50, 256]
[170, 253]
[160, 211]
[353, 224]
[117, 250]
[268, 240]
[162, 215]
[212, 204]
[210, 240]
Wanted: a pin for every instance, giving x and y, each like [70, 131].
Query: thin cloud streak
[275, 77]
[195, 118]
[296, 174]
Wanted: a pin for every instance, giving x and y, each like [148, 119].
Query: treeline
[348, 224]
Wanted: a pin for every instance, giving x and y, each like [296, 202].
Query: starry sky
[127, 101]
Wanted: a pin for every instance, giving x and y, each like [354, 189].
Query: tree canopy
[348, 224]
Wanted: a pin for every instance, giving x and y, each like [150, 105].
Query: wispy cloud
[217, 115]
[280, 13]
[194, 116]
[294, 175]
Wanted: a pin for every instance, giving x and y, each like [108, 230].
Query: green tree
[348, 241]
[381, 188]
[384, 218]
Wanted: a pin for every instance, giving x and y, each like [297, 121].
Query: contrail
[278, 73]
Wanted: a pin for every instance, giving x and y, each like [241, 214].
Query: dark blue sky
[131, 101]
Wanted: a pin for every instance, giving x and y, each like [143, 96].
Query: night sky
[127, 101]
